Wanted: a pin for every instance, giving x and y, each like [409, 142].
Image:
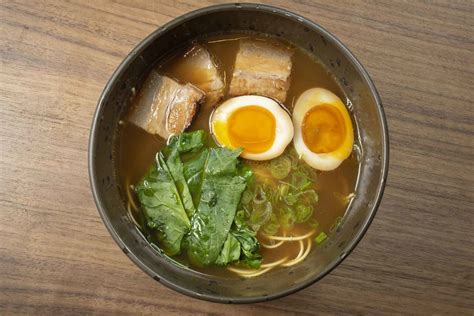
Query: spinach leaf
[222, 161]
[211, 223]
[221, 189]
[181, 144]
[186, 142]
[248, 244]
[190, 198]
[163, 207]
[230, 252]
[173, 161]
[193, 171]
[241, 244]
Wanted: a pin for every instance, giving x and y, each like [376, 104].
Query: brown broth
[137, 149]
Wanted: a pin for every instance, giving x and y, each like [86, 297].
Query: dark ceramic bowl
[367, 110]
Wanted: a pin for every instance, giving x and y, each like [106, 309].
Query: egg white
[283, 125]
[321, 161]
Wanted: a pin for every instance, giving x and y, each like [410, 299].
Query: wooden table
[56, 257]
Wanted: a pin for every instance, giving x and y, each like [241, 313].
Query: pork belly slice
[261, 68]
[164, 106]
[197, 66]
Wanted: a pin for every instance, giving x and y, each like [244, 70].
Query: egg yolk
[323, 129]
[252, 128]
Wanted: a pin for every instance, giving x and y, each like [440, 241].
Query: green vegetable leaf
[248, 244]
[190, 198]
[175, 166]
[222, 161]
[230, 252]
[181, 144]
[221, 189]
[162, 205]
[186, 142]
[193, 171]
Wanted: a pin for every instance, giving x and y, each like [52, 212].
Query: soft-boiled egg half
[258, 125]
[324, 136]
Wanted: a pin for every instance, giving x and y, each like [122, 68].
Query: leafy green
[175, 166]
[178, 145]
[230, 252]
[248, 244]
[193, 171]
[163, 207]
[221, 189]
[190, 198]
[186, 142]
[241, 244]
[194, 168]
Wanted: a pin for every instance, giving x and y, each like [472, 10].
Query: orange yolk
[323, 129]
[252, 128]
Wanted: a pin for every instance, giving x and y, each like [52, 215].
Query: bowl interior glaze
[366, 107]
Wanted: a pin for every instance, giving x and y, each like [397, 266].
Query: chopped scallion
[321, 238]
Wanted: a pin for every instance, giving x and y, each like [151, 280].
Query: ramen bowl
[367, 113]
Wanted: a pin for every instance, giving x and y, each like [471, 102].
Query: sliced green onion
[261, 213]
[310, 196]
[291, 199]
[272, 193]
[280, 167]
[283, 189]
[303, 213]
[336, 224]
[260, 196]
[321, 238]
[247, 196]
[240, 217]
[272, 226]
[287, 217]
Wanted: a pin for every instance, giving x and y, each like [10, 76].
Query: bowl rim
[94, 183]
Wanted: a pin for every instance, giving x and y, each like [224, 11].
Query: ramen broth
[137, 148]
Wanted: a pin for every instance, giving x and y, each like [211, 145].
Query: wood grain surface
[56, 256]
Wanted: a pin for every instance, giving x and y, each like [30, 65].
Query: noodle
[291, 238]
[129, 205]
[131, 200]
[273, 264]
[284, 262]
[263, 268]
[272, 246]
[253, 273]
[300, 257]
